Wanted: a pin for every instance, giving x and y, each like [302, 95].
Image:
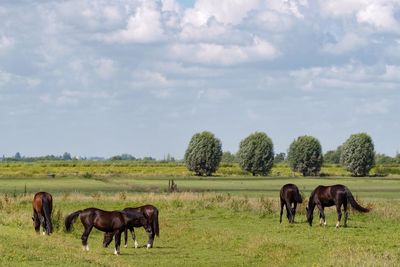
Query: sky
[101, 78]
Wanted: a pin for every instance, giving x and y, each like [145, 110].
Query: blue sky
[100, 78]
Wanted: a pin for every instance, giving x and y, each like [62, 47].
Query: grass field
[218, 221]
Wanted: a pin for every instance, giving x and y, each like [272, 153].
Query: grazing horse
[151, 214]
[136, 223]
[289, 194]
[107, 221]
[327, 196]
[42, 204]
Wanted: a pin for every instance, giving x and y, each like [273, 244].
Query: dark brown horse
[114, 222]
[289, 195]
[42, 204]
[151, 214]
[327, 196]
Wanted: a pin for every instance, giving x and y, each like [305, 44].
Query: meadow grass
[204, 229]
[216, 221]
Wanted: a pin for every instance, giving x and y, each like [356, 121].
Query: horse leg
[85, 237]
[339, 214]
[134, 237]
[346, 214]
[36, 222]
[282, 205]
[294, 210]
[151, 238]
[117, 241]
[289, 211]
[43, 223]
[321, 215]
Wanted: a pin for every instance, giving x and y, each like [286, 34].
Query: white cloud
[105, 68]
[5, 43]
[379, 16]
[143, 27]
[349, 42]
[215, 54]
[224, 11]
[381, 106]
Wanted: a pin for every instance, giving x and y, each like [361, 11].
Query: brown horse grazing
[42, 204]
[289, 194]
[114, 222]
[327, 196]
[139, 221]
[151, 214]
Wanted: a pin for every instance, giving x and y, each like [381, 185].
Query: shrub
[203, 154]
[358, 154]
[305, 155]
[256, 154]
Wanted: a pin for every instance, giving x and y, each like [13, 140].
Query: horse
[327, 196]
[114, 222]
[289, 194]
[138, 223]
[42, 205]
[151, 214]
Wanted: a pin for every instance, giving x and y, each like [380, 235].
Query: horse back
[290, 193]
[329, 195]
[37, 202]
[148, 210]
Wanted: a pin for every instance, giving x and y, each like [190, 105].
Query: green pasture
[215, 221]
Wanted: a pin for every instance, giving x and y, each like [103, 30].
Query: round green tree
[358, 154]
[203, 154]
[256, 154]
[305, 155]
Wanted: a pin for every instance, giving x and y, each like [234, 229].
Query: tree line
[256, 154]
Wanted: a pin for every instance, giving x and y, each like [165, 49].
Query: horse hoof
[125, 246]
[116, 253]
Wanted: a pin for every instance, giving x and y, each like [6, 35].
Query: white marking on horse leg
[44, 233]
[321, 221]
[148, 246]
[116, 252]
[126, 245]
[87, 247]
[324, 223]
[136, 244]
[337, 224]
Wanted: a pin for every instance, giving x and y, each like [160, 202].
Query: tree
[228, 158]
[256, 154]
[280, 157]
[203, 154]
[358, 154]
[66, 156]
[17, 156]
[305, 155]
[333, 156]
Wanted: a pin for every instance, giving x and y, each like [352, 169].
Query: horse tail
[299, 198]
[69, 220]
[47, 207]
[353, 202]
[155, 225]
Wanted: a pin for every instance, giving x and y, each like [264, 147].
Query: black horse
[289, 195]
[42, 204]
[327, 196]
[138, 222]
[114, 222]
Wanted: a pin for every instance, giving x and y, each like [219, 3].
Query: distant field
[146, 169]
[225, 220]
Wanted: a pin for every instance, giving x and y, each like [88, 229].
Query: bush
[256, 154]
[305, 155]
[358, 154]
[203, 154]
